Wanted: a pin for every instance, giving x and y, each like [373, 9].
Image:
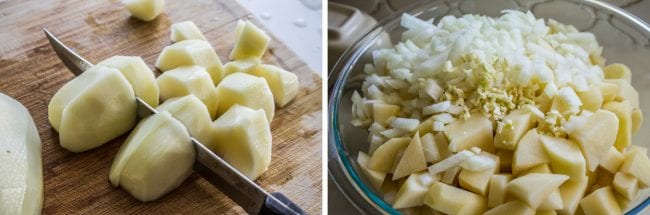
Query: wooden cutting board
[77, 183]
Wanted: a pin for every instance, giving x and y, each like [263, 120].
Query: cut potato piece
[553, 202]
[188, 80]
[382, 112]
[594, 134]
[637, 120]
[384, 157]
[478, 181]
[534, 188]
[251, 41]
[519, 122]
[601, 201]
[473, 132]
[139, 76]
[542, 168]
[244, 140]
[612, 160]
[450, 176]
[284, 84]
[618, 71]
[452, 200]
[376, 178]
[191, 53]
[608, 90]
[155, 158]
[238, 88]
[246, 65]
[592, 99]
[626, 185]
[636, 163]
[497, 189]
[601, 179]
[565, 157]
[529, 153]
[190, 111]
[92, 109]
[413, 190]
[512, 207]
[623, 111]
[625, 92]
[389, 191]
[431, 151]
[145, 10]
[412, 160]
[572, 192]
[21, 165]
[481, 162]
[186, 30]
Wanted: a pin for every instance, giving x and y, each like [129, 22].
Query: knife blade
[246, 193]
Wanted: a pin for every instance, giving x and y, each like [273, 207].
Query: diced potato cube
[601, 201]
[572, 192]
[413, 190]
[592, 99]
[244, 138]
[473, 132]
[520, 122]
[382, 112]
[626, 185]
[384, 157]
[145, 10]
[376, 178]
[553, 202]
[478, 182]
[452, 200]
[529, 153]
[497, 189]
[534, 188]
[618, 71]
[188, 80]
[637, 120]
[565, 157]
[542, 168]
[246, 65]
[625, 92]
[412, 160]
[191, 111]
[251, 41]
[612, 160]
[623, 111]
[450, 176]
[284, 84]
[139, 76]
[238, 88]
[608, 90]
[512, 207]
[191, 53]
[595, 134]
[155, 158]
[186, 30]
[636, 163]
[92, 109]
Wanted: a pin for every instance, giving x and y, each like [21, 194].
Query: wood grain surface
[77, 183]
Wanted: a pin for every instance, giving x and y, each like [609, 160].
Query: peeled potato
[191, 53]
[413, 190]
[283, 84]
[139, 76]
[534, 188]
[156, 158]
[386, 154]
[186, 31]
[572, 192]
[601, 201]
[529, 152]
[565, 157]
[473, 132]
[452, 200]
[412, 160]
[376, 178]
[188, 80]
[21, 168]
[618, 71]
[245, 90]
[245, 65]
[509, 136]
[594, 134]
[145, 10]
[623, 111]
[190, 111]
[92, 109]
[251, 41]
[244, 140]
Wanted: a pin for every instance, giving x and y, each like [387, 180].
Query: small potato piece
[246, 65]
[382, 112]
[608, 90]
[637, 120]
[284, 84]
[145, 10]
[413, 190]
[92, 109]
[473, 132]
[190, 111]
[188, 80]
[636, 163]
[21, 165]
[612, 160]
[244, 140]
[376, 178]
[565, 157]
[529, 153]
[191, 53]
[384, 157]
[595, 134]
[623, 111]
[452, 200]
[251, 41]
[553, 202]
[572, 192]
[542, 168]
[478, 182]
[186, 30]
[626, 185]
[497, 189]
[592, 99]
[156, 158]
[625, 92]
[618, 71]
[139, 76]
[521, 122]
[601, 201]
[534, 188]
[245, 90]
[412, 160]
[513, 207]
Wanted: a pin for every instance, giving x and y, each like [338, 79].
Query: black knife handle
[273, 207]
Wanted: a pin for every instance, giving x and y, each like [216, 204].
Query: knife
[250, 196]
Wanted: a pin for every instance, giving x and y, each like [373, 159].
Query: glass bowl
[624, 37]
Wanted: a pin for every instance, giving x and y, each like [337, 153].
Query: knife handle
[276, 206]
